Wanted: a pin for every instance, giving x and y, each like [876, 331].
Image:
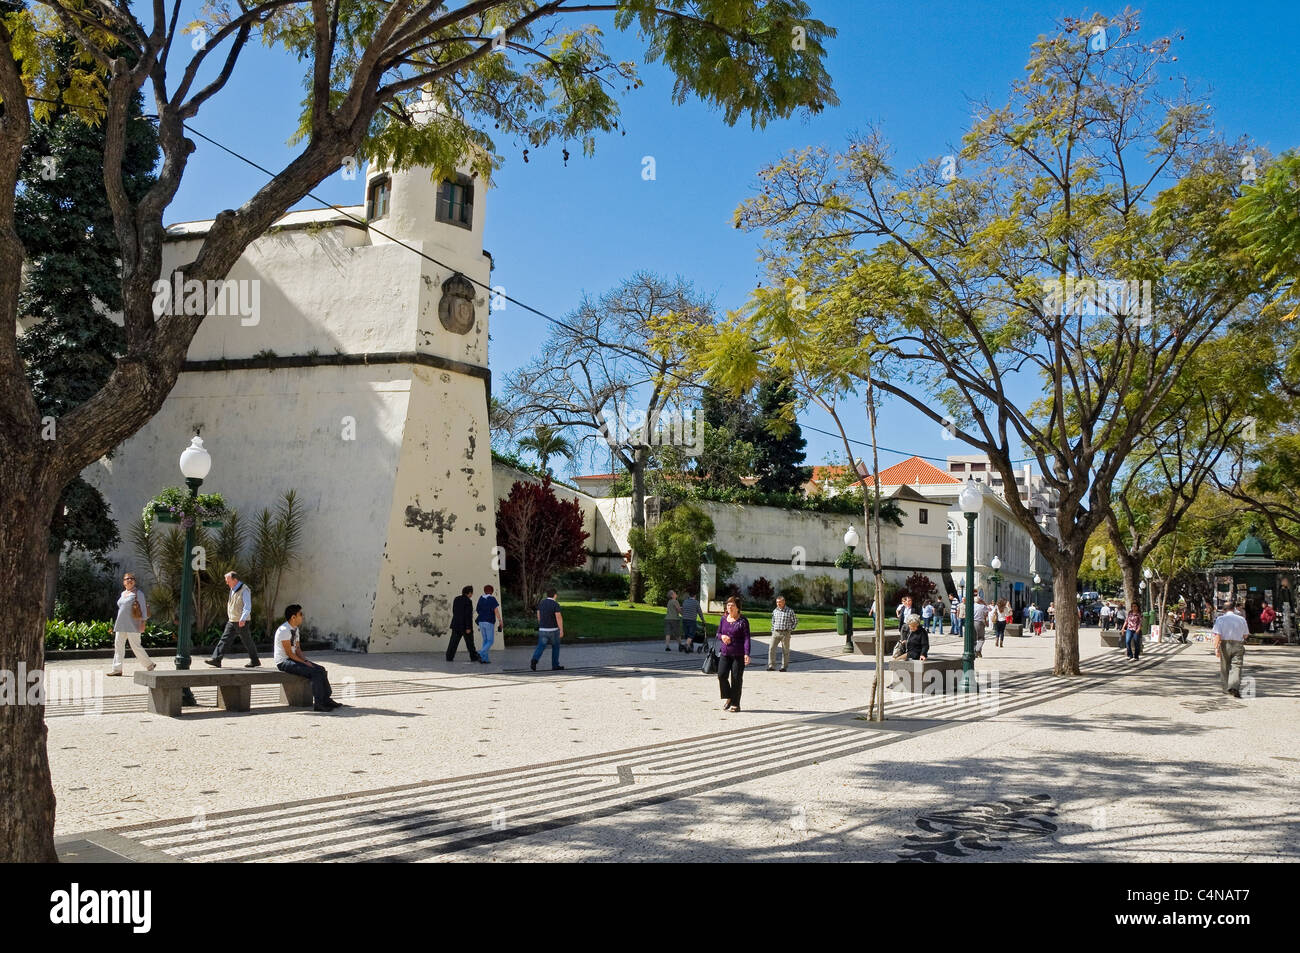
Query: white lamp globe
[851, 538]
[1147, 572]
[195, 460]
[1142, 586]
[1037, 579]
[971, 498]
[996, 563]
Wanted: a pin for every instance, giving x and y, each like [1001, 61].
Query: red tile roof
[914, 470]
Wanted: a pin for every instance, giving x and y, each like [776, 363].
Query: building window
[957, 468]
[924, 517]
[977, 466]
[456, 202]
[378, 197]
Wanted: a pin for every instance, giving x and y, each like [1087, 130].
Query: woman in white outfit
[131, 616]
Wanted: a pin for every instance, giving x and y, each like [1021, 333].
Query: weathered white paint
[399, 518]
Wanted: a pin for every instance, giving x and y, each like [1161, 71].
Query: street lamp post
[1038, 586]
[195, 464]
[1146, 584]
[970, 500]
[995, 576]
[851, 541]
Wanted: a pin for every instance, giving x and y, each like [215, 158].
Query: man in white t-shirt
[289, 658]
[1230, 631]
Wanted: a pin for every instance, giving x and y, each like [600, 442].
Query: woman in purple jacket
[733, 633]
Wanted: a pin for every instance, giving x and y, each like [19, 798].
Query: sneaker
[771, 669]
[152, 666]
[484, 661]
[667, 649]
[533, 664]
[253, 664]
[785, 670]
[333, 704]
[322, 708]
[215, 663]
[557, 668]
[110, 672]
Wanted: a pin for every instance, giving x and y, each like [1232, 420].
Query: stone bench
[1113, 638]
[865, 642]
[234, 689]
[934, 676]
[1016, 629]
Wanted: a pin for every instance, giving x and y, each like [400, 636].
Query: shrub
[86, 591]
[596, 585]
[793, 594]
[670, 553]
[761, 589]
[542, 536]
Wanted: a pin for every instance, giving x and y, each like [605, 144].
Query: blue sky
[556, 232]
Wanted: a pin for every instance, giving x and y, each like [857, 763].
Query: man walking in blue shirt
[550, 628]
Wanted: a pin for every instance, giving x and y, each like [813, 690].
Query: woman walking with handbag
[132, 613]
[733, 633]
[1133, 633]
[1001, 617]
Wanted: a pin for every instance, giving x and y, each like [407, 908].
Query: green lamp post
[971, 499]
[851, 541]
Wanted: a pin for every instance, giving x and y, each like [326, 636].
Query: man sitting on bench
[289, 658]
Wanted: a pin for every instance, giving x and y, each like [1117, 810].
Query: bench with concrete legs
[865, 643]
[234, 689]
[934, 676]
[1114, 638]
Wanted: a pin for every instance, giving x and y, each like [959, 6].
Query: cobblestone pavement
[625, 755]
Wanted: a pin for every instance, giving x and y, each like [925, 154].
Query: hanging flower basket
[174, 505]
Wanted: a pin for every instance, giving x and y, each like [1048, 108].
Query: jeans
[1000, 630]
[688, 629]
[320, 684]
[228, 634]
[956, 623]
[731, 675]
[552, 636]
[1132, 643]
[488, 630]
[1232, 655]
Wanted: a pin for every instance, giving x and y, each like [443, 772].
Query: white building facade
[362, 384]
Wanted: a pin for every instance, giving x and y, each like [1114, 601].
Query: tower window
[456, 202]
[924, 515]
[379, 197]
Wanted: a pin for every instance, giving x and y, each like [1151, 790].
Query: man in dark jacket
[462, 625]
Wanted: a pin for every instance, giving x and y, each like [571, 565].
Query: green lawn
[598, 622]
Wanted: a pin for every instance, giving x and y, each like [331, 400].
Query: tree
[277, 547]
[610, 372]
[778, 441]
[1204, 414]
[1082, 250]
[541, 535]
[546, 443]
[921, 588]
[526, 69]
[64, 222]
[671, 552]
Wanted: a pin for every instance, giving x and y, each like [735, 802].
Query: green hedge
[64, 636]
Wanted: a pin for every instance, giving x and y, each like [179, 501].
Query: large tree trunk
[1065, 593]
[636, 585]
[26, 794]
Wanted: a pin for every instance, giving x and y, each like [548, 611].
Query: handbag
[710, 666]
[900, 647]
